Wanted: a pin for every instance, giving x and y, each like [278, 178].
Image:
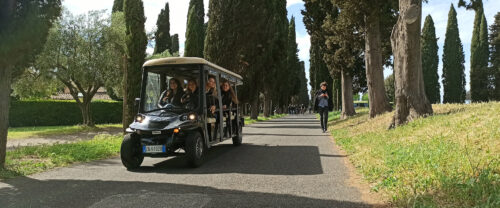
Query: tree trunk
[347, 99]
[254, 108]
[86, 114]
[374, 66]
[411, 101]
[267, 105]
[129, 111]
[5, 81]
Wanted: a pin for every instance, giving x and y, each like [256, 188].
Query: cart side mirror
[137, 101]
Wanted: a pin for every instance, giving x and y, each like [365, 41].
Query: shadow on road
[248, 159]
[27, 192]
[281, 135]
[316, 126]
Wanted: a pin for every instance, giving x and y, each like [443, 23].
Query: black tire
[131, 153]
[237, 140]
[195, 150]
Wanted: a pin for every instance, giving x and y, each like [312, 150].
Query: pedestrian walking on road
[322, 104]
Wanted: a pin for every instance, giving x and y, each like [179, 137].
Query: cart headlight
[139, 118]
[190, 117]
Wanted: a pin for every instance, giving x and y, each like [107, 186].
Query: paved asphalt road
[285, 162]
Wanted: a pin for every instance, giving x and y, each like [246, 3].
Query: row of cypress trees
[485, 83]
[255, 39]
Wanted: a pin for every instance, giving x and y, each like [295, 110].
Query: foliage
[32, 85]
[430, 61]
[33, 159]
[77, 53]
[195, 32]
[117, 6]
[162, 34]
[292, 59]
[240, 38]
[314, 16]
[164, 54]
[479, 82]
[175, 43]
[116, 36]
[56, 113]
[136, 42]
[495, 55]
[23, 32]
[447, 160]
[453, 62]
[389, 87]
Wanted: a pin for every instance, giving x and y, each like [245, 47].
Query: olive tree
[79, 54]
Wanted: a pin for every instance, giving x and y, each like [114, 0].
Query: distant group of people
[189, 97]
[297, 109]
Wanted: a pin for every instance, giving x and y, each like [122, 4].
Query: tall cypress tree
[495, 55]
[136, 53]
[162, 34]
[453, 62]
[430, 61]
[117, 6]
[195, 30]
[479, 52]
[242, 49]
[175, 43]
[293, 63]
[314, 16]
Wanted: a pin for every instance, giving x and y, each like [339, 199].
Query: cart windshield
[171, 88]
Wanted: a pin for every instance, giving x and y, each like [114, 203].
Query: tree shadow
[315, 126]
[247, 159]
[28, 192]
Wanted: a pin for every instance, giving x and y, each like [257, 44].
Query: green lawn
[262, 118]
[33, 159]
[448, 160]
[45, 131]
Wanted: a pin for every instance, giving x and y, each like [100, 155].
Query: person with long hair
[173, 94]
[228, 96]
[190, 98]
[211, 94]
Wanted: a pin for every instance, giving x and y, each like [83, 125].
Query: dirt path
[63, 138]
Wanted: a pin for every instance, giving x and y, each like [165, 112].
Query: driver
[173, 95]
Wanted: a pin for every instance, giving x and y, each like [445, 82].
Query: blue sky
[438, 9]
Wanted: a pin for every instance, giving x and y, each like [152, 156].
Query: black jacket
[316, 99]
[175, 99]
[191, 100]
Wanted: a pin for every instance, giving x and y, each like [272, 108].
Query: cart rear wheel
[237, 140]
[130, 152]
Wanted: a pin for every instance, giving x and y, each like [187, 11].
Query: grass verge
[448, 160]
[45, 131]
[34, 159]
[262, 118]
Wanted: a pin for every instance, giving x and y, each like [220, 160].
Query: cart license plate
[153, 149]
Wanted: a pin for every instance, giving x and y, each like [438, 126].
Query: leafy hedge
[61, 112]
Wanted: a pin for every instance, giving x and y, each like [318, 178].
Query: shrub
[61, 112]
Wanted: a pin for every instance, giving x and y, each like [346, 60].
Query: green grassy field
[33, 159]
[262, 118]
[46, 131]
[451, 159]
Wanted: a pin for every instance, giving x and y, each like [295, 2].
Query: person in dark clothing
[228, 96]
[173, 95]
[323, 104]
[191, 97]
[211, 94]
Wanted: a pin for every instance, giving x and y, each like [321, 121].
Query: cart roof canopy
[189, 60]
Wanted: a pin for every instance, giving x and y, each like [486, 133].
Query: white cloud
[304, 43]
[292, 2]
